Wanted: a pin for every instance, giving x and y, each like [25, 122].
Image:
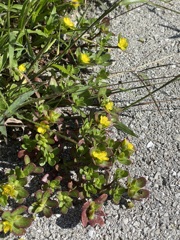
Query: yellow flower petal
[123, 44]
[100, 155]
[8, 190]
[109, 106]
[7, 226]
[104, 121]
[85, 59]
[68, 23]
[22, 68]
[75, 3]
[42, 129]
[126, 145]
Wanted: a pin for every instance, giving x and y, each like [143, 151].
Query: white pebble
[150, 145]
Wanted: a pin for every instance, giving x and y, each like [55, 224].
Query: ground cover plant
[49, 89]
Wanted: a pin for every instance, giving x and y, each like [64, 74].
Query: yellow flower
[123, 43]
[109, 106]
[8, 190]
[126, 145]
[84, 58]
[68, 23]
[104, 121]
[22, 68]
[42, 128]
[75, 3]
[7, 226]
[100, 155]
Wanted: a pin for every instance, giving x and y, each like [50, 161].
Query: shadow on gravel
[71, 219]
[174, 29]
[169, 25]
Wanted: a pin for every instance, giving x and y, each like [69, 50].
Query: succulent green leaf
[6, 215]
[18, 231]
[23, 222]
[38, 170]
[29, 169]
[39, 194]
[117, 193]
[132, 190]
[140, 182]
[12, 178]
[123, 159]
[142, 193]
[99, 181]
[19, 210]
[89, 189]
[19, 173]
[103, 59]
[52, 161]
[64, 209]
[23, 193]
[3, 200]
[27, 159]
[74, 193]
[120, 173]
[52, 203]
[21, 182]
[47, 194]
[47, 212]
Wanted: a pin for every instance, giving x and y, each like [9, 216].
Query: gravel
[153, 40]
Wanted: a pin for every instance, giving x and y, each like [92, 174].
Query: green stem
[149, 94]
[8, 15]
[66, 138]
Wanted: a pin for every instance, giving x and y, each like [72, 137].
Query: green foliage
[92, 211]
[65, 201]
[44, 203]
[49, 82]
[135, 190]
[14, 188]
[14, 221]
[117, 193]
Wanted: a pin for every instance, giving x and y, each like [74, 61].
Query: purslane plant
[48, 83]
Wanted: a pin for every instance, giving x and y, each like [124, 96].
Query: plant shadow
[169, 24]
[71, 219]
